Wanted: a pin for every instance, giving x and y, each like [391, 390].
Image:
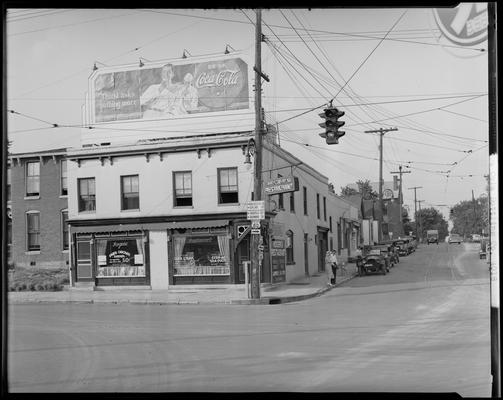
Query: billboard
[170, 90]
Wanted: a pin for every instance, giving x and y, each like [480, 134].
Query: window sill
[88, 212]
[63, 196]
[228, 204]
[30, 252]
[132, 210]
[64, 251]
[189, 207]
[32, 197]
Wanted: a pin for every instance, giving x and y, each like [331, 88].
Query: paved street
[424, 327]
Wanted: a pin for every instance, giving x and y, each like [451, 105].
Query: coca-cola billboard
[171, 90]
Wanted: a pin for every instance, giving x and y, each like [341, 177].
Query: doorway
[322, 247]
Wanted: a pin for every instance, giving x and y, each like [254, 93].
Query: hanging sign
[282, 185]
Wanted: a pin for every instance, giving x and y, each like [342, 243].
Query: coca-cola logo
[222, 84]
[222, 78]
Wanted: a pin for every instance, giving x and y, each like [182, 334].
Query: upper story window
[292, 202]
[87, 194]
[330, 223]
[64, 183]
[324, 208]
[289, 247]
[130, 192]
[318, 205]
[33, 231]
[183, 188]
[227, 185]
[304, 191]
[64, 229]
[33, 178]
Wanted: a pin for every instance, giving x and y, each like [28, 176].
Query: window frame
[175, 196]
[29, 232]
[324, 208]
[304, 192]
[290, 253]
[292, 202]
[63, 175]
[26, 177]
[219, 186]
[318, 209]
[123, 198]
[64, 232]
[79, 194]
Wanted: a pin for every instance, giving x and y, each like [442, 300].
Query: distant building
[38, 203]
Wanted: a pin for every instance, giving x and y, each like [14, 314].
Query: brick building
[38, 191]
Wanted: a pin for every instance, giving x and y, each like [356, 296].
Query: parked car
[374, 261]
[476, 238]
[454, 238]
[403, 247]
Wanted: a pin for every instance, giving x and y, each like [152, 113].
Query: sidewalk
[298, 290]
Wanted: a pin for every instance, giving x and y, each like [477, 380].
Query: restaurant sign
[282, 185]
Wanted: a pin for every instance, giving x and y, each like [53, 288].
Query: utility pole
[420, 221]
[381, 132]
[415, 204]
[400, 196]
[257, 182]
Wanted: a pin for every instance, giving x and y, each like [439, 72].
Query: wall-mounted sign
[170, 90]
[282, 185]
[255, 210]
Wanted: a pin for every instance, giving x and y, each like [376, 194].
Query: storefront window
[120, 257]
[201, 255]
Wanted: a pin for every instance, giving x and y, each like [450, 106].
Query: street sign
[255, 231]
[255, 223]
[255, 210]
[282, 185]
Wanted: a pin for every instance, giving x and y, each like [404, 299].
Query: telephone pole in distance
[400, 196]
[415, 204]
[381, 132]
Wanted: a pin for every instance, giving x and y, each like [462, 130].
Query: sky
[384, 67]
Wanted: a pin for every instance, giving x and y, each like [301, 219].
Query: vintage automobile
[455, 238]
[374, 261]
[404, 249]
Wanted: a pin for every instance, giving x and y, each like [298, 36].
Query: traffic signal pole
[493, 200]
[381, 132]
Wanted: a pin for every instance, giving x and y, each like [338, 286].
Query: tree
[431, 218]
[470, 216]
[364, 188]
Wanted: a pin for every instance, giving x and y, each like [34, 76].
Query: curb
[262, 301]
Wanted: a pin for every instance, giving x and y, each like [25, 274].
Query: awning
[149, 226]
[197, 224]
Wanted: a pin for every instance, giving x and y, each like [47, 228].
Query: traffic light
[332, 125]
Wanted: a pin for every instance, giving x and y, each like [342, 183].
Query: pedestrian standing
[333, 265]
[328, 267]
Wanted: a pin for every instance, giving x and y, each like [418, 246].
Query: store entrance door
[242, 254]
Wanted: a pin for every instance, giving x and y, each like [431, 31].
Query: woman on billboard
[168, 98]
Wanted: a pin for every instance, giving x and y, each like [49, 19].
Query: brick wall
[50, 204]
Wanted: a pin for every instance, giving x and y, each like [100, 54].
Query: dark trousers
[334, 271]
